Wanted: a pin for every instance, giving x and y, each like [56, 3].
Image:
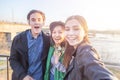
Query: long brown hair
[83, 23]
[69, 52]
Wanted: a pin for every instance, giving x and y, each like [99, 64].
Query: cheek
[81, 35]
[52, 36]
[31, 23]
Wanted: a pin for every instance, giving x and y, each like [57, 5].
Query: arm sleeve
[94, 68]
[15, 64]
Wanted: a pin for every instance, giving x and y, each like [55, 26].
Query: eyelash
[76, 29]
[58, 32]
[73, 29]
[35, 20]
[67, 29]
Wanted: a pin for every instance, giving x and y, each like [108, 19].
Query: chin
[73, 44]
[37, 32]
[56, 43]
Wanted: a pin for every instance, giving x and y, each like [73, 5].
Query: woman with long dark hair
[83, 63]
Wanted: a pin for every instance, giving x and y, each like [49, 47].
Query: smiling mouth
[71, 38]
[36, 27]
[57, 39]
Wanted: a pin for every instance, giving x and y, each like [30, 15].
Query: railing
[7, 58]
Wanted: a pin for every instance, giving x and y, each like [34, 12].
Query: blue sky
[100, 14]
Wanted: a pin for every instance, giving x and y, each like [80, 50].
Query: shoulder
[45, 36]
[84, 47]
[51, 48]
[20, 36]
[87, 54]
[87, 49]
[46, 39]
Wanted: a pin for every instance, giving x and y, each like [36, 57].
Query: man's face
[36, 22]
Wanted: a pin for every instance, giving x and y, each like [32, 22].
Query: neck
[75, 46]
[35, 35]
[57, 45]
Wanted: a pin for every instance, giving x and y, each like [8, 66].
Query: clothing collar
[31, 36]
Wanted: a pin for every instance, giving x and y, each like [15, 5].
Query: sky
[99, 14]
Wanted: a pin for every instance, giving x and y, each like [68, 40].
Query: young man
[29, 50]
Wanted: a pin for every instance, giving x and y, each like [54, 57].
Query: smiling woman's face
[74, 32]
[58, 35]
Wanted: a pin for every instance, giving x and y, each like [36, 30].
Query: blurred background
[102, 17]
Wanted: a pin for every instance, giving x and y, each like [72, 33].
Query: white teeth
[57, 39]
[36, 27]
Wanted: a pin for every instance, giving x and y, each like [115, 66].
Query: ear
[28, 21]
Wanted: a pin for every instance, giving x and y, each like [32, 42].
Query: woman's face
[74, 32]
[58, 35]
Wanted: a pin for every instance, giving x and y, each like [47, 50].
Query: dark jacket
[86, 65]
[19, 55]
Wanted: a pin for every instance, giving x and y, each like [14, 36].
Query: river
[108, 48]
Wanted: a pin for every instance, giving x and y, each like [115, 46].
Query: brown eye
[33, 20]
[76, 28]
[39, 19]
[67, 29]
[53, 32]
[60, 32]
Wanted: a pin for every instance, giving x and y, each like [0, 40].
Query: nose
[57, 34]
[37, 21]
[71, 32]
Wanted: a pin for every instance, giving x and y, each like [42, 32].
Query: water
[108, 48]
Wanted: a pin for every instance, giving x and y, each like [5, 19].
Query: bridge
[13, 28]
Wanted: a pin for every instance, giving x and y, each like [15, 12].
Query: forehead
[72, 22]
[36, 15]
[58, 28]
